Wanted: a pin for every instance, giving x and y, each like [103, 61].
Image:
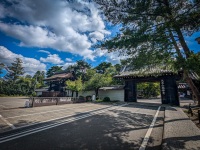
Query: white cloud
[44, 51]
[30, 65]
[112, 57]
[52, 58]
[68, 59]
[98, 52]
[66, 65]
[96, 36]
[59, 25]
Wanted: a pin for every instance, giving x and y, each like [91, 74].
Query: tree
[118, 67]
[76, 85]
[53, 70]
[15, 70]
[97, 81]
[154, 27]
[101, 68]
[149, 89]
[1, 68]
[39, 77]
[80, 68]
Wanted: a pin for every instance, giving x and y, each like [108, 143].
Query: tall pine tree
[154, 27]
[15, 70]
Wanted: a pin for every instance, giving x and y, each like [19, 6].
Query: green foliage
[80, 69]
[89, 74]
[151, 30]
[98, 80]
[118, 67]
[149, 89]
[76, 85]
[53, 70]
[106, 99]
[192, 63]
[16, 84]
[89, 98]
[101, 68]
[15, 70]
[1, 68]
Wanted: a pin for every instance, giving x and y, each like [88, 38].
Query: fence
[46, 101]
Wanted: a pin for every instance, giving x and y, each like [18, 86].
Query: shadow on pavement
[116, 130]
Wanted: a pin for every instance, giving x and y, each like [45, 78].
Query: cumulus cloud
[30, 65]
[44, 51]
[52, 58]
[64, 26]
[68, 59]
[66, 65]
[112, 57]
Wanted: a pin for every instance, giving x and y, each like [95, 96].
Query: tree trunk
[76, 94]
[194, 89]
[97, 92]
[182, 42]
[72, 93]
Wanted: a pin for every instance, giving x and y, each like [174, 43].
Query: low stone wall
[47, 101]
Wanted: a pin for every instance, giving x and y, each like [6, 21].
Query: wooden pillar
[169, 91]
[130, 90]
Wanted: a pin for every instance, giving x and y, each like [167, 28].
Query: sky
[45, 33]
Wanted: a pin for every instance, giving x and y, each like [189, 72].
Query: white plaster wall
[112, 94]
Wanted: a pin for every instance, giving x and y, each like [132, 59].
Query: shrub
[88, 98]
[81, 98]
[106, 99]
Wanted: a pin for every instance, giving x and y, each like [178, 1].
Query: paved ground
[82, 126]
[180, 133]
[96, 126]
[12, 102]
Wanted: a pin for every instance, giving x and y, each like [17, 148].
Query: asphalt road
[84, 126]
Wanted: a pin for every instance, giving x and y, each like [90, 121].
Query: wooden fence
[46, 101]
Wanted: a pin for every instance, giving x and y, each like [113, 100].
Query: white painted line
[8, 123]
[41, 112]
[3, 106]
[57, 118]
[146, 138]
[32, 131]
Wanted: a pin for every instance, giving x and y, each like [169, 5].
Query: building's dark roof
[148, 71]
[59, 76]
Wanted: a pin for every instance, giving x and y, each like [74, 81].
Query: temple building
[57, 85]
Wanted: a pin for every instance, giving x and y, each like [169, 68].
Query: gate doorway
[166, 78]
[149, 92]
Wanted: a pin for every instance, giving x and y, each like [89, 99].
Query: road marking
[146, 138]
[35, 130]
[61, 117]
[41, 112]
[8, 123]
[3, 106]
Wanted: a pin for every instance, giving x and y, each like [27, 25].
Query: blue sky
[45, 33]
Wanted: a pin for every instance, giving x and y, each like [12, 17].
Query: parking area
[12, 102]
[82, 126]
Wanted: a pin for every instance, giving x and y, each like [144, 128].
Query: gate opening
[149, 92]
